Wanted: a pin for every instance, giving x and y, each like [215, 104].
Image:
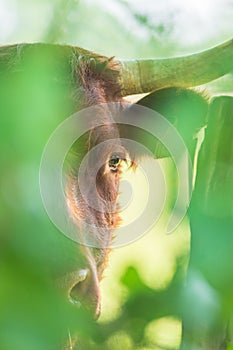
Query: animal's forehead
[108, 131]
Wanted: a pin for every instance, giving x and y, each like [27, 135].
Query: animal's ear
[185, 109]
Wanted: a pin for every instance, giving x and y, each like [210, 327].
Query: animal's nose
[84, 291]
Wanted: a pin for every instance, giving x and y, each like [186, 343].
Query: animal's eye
[114, 162]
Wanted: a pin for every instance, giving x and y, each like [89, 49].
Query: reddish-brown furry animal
[98, 76]
[85, 79]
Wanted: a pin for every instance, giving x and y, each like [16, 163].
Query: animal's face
[92, 192]
[94, 80]
[67, 77]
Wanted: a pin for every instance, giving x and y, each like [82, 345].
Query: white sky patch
[193, 21]
[200, 20]
[8, 18]
[23, 22]
[36, 18]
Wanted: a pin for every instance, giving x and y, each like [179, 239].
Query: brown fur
[98, 76]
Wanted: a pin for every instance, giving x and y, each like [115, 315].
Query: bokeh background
[140, 308]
